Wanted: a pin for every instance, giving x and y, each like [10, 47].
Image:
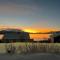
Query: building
[55, 37]
[13, 35]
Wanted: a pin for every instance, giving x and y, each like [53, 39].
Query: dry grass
[28, 48]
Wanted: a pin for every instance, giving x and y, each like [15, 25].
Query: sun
[30, 30]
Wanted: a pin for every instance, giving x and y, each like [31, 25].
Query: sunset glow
[32, 30]
[36, 30]
[39, 36]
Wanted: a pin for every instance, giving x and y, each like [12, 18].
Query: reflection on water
[39, 36]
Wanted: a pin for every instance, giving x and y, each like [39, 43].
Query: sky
[31, 15]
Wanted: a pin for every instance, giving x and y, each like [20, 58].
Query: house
[55, 37]
[13, 35]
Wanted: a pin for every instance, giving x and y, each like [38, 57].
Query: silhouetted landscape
[29, 29]
[15, 35]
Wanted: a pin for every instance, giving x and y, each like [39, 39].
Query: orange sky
[38, 36]
[42, 30]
